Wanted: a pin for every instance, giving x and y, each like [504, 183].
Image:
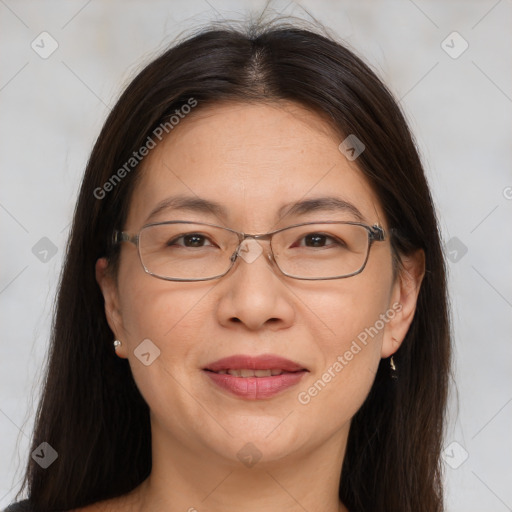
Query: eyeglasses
[197, 251]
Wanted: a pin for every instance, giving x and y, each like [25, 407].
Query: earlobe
[109, 290]
[405, 293]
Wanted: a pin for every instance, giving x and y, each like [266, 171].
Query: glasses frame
[375, 234]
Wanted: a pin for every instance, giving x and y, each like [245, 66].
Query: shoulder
[124, 503]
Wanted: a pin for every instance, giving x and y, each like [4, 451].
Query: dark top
[22, 506]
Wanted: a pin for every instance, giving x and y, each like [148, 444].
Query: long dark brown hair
[91, 411]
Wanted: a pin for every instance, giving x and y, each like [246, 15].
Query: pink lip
[263, 362]
[255, 388]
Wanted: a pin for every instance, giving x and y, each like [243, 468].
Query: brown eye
[320, 240]
[190, 240]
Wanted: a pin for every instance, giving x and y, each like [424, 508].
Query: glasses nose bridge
[263, 236]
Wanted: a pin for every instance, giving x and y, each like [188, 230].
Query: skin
[253, 159]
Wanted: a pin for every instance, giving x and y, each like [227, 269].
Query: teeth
[263, 373]
[252, 373]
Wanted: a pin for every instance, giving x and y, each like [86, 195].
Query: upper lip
[262, 362]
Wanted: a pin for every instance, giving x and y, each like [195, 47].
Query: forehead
[252, 160]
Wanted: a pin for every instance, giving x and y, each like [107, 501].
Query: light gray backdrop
[448, 62]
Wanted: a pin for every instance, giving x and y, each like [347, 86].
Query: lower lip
[255, 388]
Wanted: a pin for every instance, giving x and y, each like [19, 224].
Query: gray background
[458, 105]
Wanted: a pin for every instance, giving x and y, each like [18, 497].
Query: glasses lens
[321, 250]
[186, 250]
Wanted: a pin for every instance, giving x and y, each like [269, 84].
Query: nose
[253, 293]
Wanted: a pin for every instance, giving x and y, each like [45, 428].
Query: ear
[404, 296]
[109, 289]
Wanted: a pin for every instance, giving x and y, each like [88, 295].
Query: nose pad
[250, 250]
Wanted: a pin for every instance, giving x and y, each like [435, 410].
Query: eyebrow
[327, 203]
[205, 206]
[188, 203]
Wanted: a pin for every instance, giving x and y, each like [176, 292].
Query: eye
[320, 240]
[190, 240]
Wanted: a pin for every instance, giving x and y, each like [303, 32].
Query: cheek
[356, 334]
[150, 307]
[153, 312]
[168, 314]
[346, 310]
[352, 317]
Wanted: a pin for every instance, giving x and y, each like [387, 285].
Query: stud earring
[117, 343]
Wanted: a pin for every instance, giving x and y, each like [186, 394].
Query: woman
[252, 312]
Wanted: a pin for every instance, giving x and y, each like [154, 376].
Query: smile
[255, 377]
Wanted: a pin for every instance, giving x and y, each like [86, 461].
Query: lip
[262, 362]
[255, 388]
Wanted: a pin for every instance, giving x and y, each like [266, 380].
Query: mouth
[255, 378]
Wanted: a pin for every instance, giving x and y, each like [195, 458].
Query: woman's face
[254, 160]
